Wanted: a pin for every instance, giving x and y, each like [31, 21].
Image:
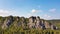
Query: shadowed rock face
[34, 22]
[8, 22]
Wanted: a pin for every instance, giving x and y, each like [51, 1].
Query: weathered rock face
[36, 22]
[22, 22]
[53, 27]
[17, 23]
[47, 25]
[8, 22]
[33, 22]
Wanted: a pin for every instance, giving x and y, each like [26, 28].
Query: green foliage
[55, 22]
[15, 29]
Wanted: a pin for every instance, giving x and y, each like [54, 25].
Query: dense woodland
[17, 25]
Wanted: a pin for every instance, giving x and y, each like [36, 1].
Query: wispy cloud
[46, 16]
[52, 10]
[6, 12]
[34, 12]
[3, 11]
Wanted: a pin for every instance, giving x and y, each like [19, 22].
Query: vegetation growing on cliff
[18, 25]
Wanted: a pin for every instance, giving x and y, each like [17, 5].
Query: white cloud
[52, 10]
[6, 12]
[47, 16]
[3, 11]
[35, 11]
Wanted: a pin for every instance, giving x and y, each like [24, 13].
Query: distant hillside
[55, 22]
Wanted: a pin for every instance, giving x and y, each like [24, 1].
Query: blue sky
[46, 9]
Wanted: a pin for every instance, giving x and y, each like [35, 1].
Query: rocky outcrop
[32, 22]
[36, 22]
[7, 22]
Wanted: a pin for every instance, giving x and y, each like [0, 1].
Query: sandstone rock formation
[7, 22]
[32, 22]
[36, 22]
